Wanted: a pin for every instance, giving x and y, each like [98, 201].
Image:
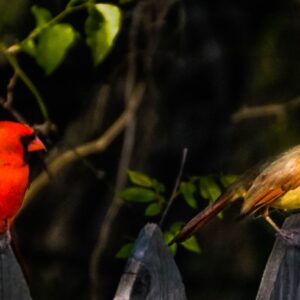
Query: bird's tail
[202, 218]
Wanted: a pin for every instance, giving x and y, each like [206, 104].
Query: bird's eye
[26, 140]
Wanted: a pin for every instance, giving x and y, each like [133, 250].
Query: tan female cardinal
[17, 141]
[275, 184]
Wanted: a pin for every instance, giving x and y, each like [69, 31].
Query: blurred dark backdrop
[208, 61]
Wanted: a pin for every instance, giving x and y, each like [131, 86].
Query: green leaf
[227, 180]
[140, 179]
[125, 251]
[192, 245]
[168, 237]
[158, 186]
[152, 209]
[29, 47]
[101, 28]
[125, 1]
[41, 15]
[176, 227]
[53, 44]
[76, 2]
[137, 194]
[188, 189]
[161, 200]
[209, 188]
[173, 248]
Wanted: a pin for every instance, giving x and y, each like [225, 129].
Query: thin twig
[273, 109]
[27, 81]
[175, 188]
[7, 103]
[96, 146]
[114, 208]
[11, 51]
[99, 174]
[10, 90]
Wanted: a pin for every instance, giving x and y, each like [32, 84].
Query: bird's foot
[5, 240]
[289, 237]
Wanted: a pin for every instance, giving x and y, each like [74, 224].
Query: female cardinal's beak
[36, 145]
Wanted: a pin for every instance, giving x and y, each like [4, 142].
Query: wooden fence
[151, 272]
[12, 283]
[281, 278]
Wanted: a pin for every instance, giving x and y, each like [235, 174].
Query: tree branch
[274, 109]
[7, 103]
[175, 188]
[28, 82]
[96, 146]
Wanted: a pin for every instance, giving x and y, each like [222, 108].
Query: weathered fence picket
[12, 283]
[281, 278]
[151, 273]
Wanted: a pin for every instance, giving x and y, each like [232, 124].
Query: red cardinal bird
[16, 142]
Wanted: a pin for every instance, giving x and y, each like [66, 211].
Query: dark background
[208, 61]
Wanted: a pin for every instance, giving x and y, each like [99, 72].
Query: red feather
[14, 171]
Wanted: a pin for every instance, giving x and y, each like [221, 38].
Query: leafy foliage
[125, 250]
[101, 28]
[140, 179]
[192, 245]
[209, 189]
[138, 194]
[50, 41]
[42, 15]
[148, 190]
[76, 2]
[125, 1]
[152, 209]
[53, 45]
[227, 180]
[54, 40]
[170, 233]
[188, 189]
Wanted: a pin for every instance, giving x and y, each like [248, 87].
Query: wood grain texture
[281, 278]
[150, 273]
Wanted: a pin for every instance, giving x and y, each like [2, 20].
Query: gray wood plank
[281, 278]
[12, 283]
[150, 273]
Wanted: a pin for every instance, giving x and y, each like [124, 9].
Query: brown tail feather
[201, 219]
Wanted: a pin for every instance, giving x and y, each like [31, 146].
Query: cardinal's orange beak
[36, 145]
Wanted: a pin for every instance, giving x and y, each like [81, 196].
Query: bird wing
[235, 191]
[264, 198]
[279, 177]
